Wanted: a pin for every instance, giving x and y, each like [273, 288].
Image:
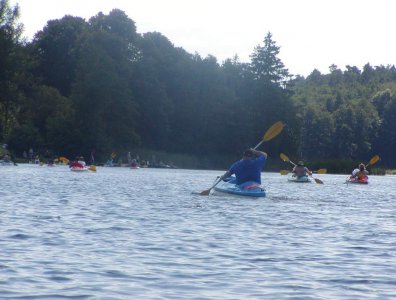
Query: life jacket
[361, 175]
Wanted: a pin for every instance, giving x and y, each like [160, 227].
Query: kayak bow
[248, 189]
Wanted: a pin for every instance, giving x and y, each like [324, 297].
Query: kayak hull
[299, 179]
[247, 189]
[79, 169]
[363, 180]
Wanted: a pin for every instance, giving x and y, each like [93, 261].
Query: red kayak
[362, 180]
[78, 169]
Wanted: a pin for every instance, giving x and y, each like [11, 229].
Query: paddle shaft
[258, 145]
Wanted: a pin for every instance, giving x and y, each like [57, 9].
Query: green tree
[386, 142]
[268, 94]
[10, 48]
[52, 116]
[105, 105]
[317, 133]
[265, 64]
[152, 71]
[24, 137]
[57, 48]
[355, 129]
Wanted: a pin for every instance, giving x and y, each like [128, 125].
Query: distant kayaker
[6, 158]
[248, 168]
[81, 161]
[360, 172]
[301, 170]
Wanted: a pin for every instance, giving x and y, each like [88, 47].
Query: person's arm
[259, 153]
[308, 171]
[226, 175]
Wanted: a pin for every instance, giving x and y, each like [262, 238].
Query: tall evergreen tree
[269, 100]
[266, 66]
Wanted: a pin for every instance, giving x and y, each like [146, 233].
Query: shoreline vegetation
[96, 87]
[159, 159]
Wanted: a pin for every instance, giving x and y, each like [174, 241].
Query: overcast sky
[312, 34]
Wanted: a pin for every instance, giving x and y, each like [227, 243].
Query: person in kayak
[81, 161]
[359, 173]
[78, 163]
[248, 168]
[300, 170]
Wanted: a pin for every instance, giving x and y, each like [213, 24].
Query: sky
[311, 34]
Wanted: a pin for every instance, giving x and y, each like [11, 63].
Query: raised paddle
[320, 171]
[272, 132]
[285, 158]
[373, 160]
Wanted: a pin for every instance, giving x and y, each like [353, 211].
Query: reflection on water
[140, 234]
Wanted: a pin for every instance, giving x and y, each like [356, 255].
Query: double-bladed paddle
[320, 171]
[272, 132]
[285, 158]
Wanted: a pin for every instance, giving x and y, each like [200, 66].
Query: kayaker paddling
[300, 170]
[359, 173]
[248, 168]
[272, 132]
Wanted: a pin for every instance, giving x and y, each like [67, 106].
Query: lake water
[141, 234]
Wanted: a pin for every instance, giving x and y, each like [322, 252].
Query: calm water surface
[140, 234]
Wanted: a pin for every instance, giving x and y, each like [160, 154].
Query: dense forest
[97, 86]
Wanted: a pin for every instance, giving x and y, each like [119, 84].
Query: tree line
[98, 86]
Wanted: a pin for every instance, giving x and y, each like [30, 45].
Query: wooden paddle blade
[205, 193]
[321, 171]
[64, 160]
[284, 157]
[318, 181]
[273, 131]
[284, 172]
[373, 160]
[92, 168]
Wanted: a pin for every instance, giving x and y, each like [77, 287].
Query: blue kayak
[249, 188]
[294, 178]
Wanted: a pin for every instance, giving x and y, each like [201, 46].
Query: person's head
[300, 163]
[248, 154]
[362, 167]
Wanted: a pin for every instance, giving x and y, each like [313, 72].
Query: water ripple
[140, 234]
